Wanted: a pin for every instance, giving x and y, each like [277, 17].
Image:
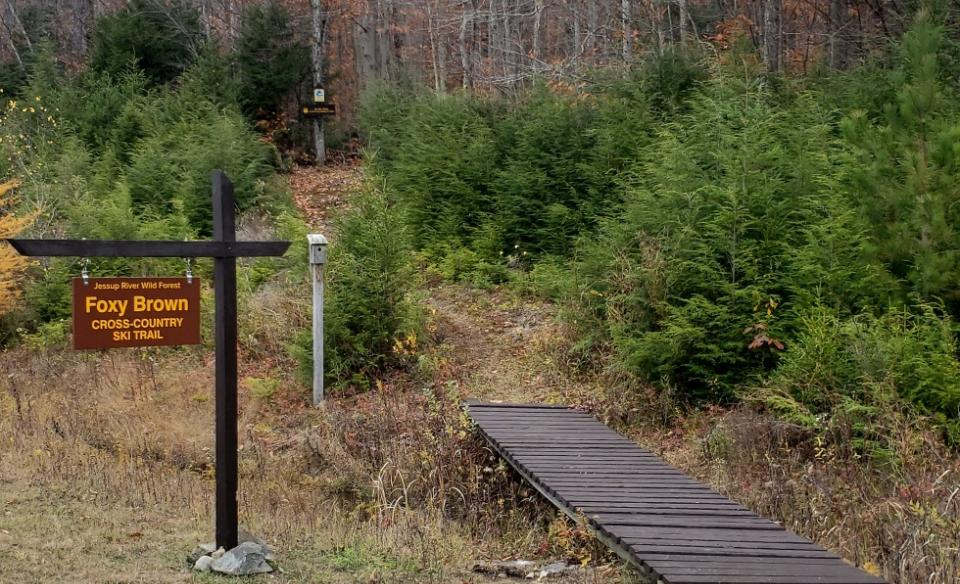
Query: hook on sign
[85, 271]
[189, 262]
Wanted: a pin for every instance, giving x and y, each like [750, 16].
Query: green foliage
[271, 56]
[908, 170]
[107, 156]
[718, 235]
[371, 318]
[843, 366]
[161, 39]
[471, 173]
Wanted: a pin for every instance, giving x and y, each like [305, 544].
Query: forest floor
[106, 466]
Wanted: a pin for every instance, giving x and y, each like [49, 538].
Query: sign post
[318, 258]
[224, 249]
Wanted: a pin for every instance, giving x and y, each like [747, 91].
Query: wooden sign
[224, 249]
[319, 109]
[135, 312]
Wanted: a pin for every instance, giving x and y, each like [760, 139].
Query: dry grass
[898, 517]
[107, 472]
[106, 463]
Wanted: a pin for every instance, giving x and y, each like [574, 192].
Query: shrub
[846, 367]
[272, 57]
[11, 263]
[371, 318]
[159, 38]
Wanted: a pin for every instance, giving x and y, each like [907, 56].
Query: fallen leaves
[320, 191]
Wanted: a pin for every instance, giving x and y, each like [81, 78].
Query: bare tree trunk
[205, 18]
[364, 38]
[466, 21]
[661, 32]
[436, 51]
[384, 28]
[9, 30]
[537, 25]
[684, 17]
[320, 22]
[14, 25]
[627, 29]
[838, 24]
[505, 47]
[234, 23]
[81, 15]
[771, 35]
[593, 25]
[492, 31]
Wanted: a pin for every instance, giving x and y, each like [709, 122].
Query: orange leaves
[11, 263]
[761, 339]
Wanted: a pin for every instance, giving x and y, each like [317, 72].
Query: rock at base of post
[250, 557]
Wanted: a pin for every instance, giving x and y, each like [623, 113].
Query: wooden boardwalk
[674, 529]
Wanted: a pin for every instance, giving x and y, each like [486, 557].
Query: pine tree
[907, 183]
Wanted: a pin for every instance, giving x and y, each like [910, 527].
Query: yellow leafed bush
[11, 263]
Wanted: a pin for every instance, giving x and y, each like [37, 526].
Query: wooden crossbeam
[147, 249]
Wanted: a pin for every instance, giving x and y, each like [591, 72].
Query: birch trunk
[434, 49]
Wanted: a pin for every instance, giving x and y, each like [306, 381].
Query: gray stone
[246, 536]
[218, 553]
[204, 549]
[208, 548]
[556, 570]
[514, 569]
[247, 558]
[203, 564]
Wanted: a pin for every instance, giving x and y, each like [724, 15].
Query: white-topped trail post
[318, 258]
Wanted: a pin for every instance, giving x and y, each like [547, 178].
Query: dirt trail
[320, 191]
[499, 345]
[502, 345]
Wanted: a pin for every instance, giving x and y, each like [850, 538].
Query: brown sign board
[317, 110]
[135, 312]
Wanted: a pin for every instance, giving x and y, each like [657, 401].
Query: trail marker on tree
[224, 249]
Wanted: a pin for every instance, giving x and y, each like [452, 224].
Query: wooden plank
[719, 522]
[664, 506]
[695, 560]
[594, 512]
[713, 551]
[516, 407]
[766, 568]
[700, 533]
[749, 545]
[645, 498]
[860, 578]
[666, 523]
